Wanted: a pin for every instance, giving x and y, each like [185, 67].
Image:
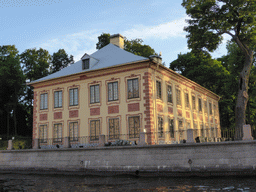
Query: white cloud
[82, 42]
[163, 31]
[76, 44]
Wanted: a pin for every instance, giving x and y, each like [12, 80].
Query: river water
[18, 182]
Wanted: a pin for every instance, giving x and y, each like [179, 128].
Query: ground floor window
[202, 130]
[171, 128]
[57, 132]
[94, 129]
[134, 127]
[114, 128]
[73, 131]
[43, 133]
[160, 127]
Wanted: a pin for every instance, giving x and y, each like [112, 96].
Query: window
[169, 93]
[200, 104]
[43, 133]
[133, 88]
[178, 99]
[158, 90]
[205, 106]
[210, 108]
[215, 109]
[171, 128]
[188, 125]
[180, 124]
[44, 101]
[94, 129]
[193, 102]
[186, 99]
[202, 130]
[57, 99]
[95, 93]
[134, 127]
[113, 91]
[73, 131]
[160, 127]
[85, 64]
[114, 128]
[73, 97]
[57, 132]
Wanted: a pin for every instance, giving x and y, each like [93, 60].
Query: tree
[202, 69]
[134, 46]
[60, 60]
[35, 65]
[210, 19]
[104, 39]
[11, 82]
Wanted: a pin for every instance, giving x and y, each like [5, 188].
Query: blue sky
[74, 25]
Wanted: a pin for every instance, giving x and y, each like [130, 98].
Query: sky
[74, 25]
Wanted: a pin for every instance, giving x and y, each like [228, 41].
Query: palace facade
[113, 92]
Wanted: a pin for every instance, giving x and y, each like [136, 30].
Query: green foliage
[36, 63]
[104, 39]
[212, 18]
[60, 60]
[202, 69]
[134, 46]
[12, 85]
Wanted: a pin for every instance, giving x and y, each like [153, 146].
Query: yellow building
[118, 94]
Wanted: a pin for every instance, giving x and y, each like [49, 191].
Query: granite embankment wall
[201, 159]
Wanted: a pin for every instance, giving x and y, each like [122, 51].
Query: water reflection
[11, 182]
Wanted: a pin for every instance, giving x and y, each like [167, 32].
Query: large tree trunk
[242, 97]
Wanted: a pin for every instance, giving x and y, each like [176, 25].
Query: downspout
[155, 108]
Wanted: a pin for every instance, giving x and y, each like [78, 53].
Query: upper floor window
[133, 88]
[113, 91]
[215, 109]
[44, 101]
[73, 97]
[205, 106]
[193, 102]
[95, 93]
[186, 99]
[200, 104]
[85, 64]
[178, 97]
[158, 90]
[210, 108]
[134, 127]
[57, 99]
[169, 93]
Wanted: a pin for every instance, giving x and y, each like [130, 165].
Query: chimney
[117, 40]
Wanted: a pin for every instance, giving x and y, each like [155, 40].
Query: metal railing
[74, 142]
[151, 138]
